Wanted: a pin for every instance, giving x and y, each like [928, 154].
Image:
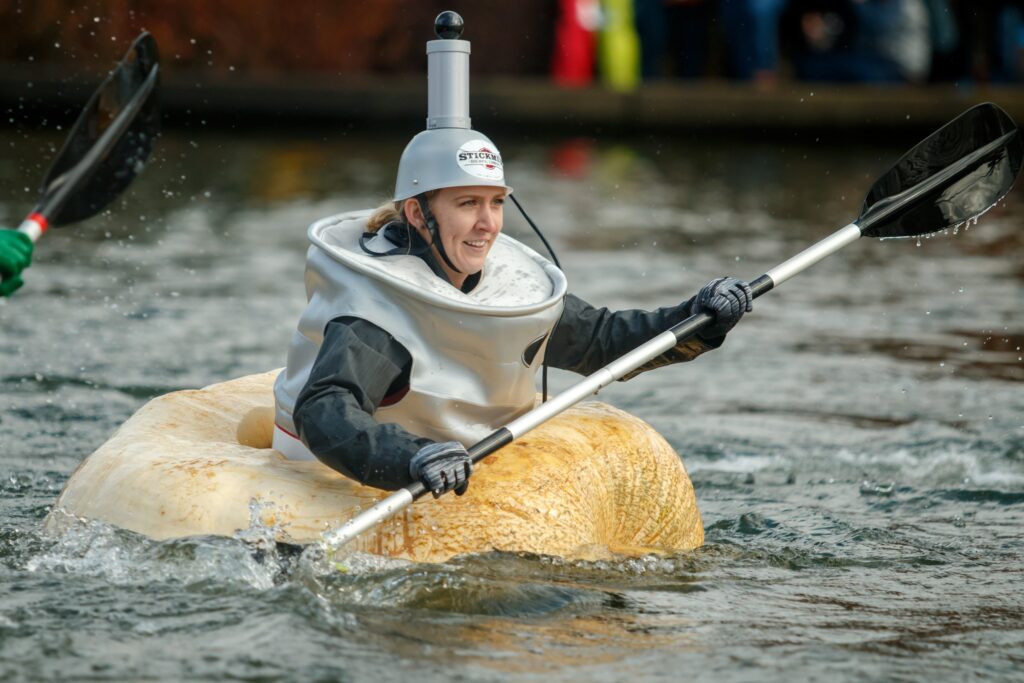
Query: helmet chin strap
[435, 232]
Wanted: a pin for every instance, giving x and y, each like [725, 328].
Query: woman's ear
[413, 213]
[414, 216]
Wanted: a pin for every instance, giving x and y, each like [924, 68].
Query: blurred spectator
[680, 29]
[870, 41]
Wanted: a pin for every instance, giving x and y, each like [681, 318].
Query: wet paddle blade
[955, 174]
[111, 140]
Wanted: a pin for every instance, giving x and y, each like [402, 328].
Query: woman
[426, 326]
[411, 370]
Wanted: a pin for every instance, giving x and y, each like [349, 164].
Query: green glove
[15, 256]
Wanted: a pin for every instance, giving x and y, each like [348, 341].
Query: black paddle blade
[92, 169]
[955, 174]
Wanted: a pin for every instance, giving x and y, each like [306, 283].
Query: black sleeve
[587, 338]
[357, 366]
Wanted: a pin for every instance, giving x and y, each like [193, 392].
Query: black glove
[727, 299]
[442, 467]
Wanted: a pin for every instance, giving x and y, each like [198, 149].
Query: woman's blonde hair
[385, 213]
[389, 212]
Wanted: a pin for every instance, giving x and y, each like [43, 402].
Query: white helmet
[448, 157]
[448, 153]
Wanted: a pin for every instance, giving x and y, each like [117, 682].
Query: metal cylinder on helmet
[448, 153]
[448, 84]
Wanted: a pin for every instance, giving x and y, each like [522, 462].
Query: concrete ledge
[662, 106]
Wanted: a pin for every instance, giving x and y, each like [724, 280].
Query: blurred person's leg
[751, 29]
[946, 61]
[738, 31]
[649, 17]
[689, 22]
[766, 39]
[1008, 45]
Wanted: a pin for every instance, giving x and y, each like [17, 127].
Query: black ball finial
[448, 25]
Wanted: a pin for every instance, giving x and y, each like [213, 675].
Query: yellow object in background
[619, 46]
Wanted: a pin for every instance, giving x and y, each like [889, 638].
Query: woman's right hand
[442, 467]
[15, 256]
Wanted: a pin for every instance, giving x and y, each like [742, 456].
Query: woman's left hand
[726, 299]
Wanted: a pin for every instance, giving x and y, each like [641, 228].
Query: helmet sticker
[480, 159]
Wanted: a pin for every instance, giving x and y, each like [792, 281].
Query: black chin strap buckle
[435, 231]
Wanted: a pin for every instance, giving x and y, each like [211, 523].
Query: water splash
[965, 224]
[89, 548]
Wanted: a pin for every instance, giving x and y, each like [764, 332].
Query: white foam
[122, 557]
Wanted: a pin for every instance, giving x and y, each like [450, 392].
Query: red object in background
[573, 158]
[572, 63]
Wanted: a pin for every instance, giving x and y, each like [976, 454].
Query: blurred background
[857, 446]
[619, 63]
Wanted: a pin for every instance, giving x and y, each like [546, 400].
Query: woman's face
[469, 219]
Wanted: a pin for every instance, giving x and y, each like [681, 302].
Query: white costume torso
[474, 355]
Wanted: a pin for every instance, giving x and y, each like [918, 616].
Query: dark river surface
[857, 445]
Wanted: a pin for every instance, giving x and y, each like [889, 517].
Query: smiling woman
[473, 216]
[426, 326]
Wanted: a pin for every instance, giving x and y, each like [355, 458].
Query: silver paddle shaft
[404, 497]
[814, 253]
[591, 385]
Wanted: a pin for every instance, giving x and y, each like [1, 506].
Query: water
[857, 445]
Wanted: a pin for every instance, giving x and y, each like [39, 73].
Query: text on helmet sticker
[480, 159]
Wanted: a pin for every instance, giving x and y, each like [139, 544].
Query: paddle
[951, 177]
[107, 146]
